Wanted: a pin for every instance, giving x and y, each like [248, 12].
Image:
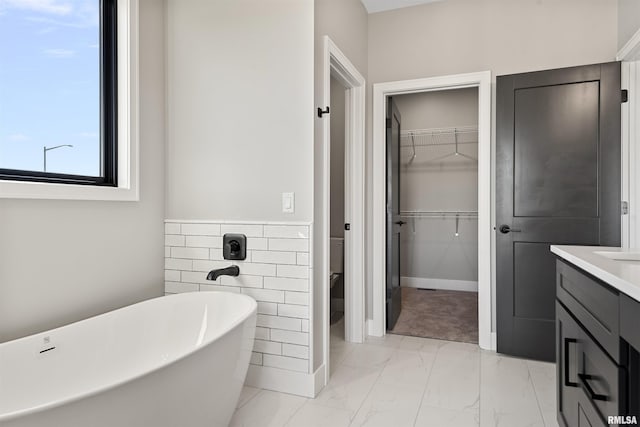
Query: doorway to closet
[432, 214]
[381, 94]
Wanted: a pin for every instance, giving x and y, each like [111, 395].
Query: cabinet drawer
[594, 304]
[601, 378]
[586, 373]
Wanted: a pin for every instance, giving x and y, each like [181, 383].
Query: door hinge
[347, 226]
[625, 95]
[624, 208]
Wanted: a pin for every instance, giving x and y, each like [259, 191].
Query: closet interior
[439, 207]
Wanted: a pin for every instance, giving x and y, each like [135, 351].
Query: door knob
[505, 229]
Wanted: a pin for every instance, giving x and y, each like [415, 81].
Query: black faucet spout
[233, 270]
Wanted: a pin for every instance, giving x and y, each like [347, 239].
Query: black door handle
[400, 223]
[584, 379]
[505, 229]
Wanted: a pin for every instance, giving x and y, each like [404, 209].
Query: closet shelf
[439, 214]
[438, 136]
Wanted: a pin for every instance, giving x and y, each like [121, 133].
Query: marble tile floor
[402, 381]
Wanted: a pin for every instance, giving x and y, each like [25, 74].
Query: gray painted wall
[63, 261]
[240, 109]
[429, 247]
[337, 158]
[628, 20]
[345, 21]
[504, 36]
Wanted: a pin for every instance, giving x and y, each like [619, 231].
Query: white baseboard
[373, 330]
[320, 379]
[281, 380]
[443, 284]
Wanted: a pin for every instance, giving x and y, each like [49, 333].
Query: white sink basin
[620, 256]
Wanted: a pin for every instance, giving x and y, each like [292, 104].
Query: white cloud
[84, 14]
[54, 7]
[59, 53]
[45, 31]
[18, 137]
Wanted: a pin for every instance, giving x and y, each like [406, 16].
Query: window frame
[119, 123]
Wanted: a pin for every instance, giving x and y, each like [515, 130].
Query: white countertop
[622, 275]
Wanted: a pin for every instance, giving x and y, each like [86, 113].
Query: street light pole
[45, 149]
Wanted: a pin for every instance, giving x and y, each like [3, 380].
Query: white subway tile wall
[276, 274]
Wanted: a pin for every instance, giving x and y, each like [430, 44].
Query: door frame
[336, 64]
[481, 80]
[630, 57]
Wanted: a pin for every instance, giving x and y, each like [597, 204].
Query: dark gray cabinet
[630, 334]
[597, 334]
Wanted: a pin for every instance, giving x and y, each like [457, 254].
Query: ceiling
[374, 6]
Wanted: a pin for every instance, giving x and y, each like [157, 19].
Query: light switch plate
[288, 202]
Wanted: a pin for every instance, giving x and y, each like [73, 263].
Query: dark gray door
[557, 182]
[394, 221]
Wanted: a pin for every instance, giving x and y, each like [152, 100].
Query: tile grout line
[370, 389]
[481, 374]
[535, 392]
[480, 357]
[415, 420]
[250, 399]
[295, 412]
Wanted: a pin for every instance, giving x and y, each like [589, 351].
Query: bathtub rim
[9, 416]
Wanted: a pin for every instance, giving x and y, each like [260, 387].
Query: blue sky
[49, 85]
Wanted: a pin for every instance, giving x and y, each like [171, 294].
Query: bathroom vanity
[597, 335]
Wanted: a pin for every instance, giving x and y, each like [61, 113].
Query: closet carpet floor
[445, 315]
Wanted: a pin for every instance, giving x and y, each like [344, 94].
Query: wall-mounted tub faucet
[233, 270]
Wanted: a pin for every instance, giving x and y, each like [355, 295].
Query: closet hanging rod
[436, 214]
[441, 131]
[433, 144]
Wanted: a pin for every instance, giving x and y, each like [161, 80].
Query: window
[59, 91]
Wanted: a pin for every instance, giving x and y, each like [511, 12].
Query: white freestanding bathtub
[175, 361]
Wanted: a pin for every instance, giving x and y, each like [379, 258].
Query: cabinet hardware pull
[567, 348]
[584, 379]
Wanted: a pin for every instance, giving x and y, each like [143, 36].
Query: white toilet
[336, 270]
[336, 259]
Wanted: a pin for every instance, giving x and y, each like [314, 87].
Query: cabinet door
[633, 388]
[569, 393]
[587, 415]
[629, 331]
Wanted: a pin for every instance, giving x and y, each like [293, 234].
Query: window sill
[48, 191]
